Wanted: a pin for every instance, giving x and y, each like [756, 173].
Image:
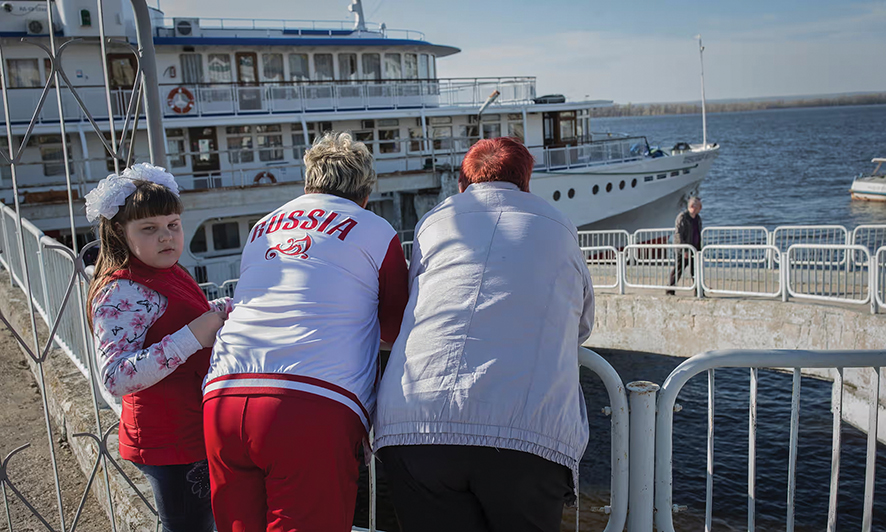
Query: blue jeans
[181, 493]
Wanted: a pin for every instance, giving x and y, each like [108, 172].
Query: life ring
[262, 175]
[180, 100]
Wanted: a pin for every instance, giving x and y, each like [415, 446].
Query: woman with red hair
[481, 420]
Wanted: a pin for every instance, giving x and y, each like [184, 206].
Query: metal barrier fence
[740, 270]
[823, 273]
[604, 264]
[707, 362]
[652, 266]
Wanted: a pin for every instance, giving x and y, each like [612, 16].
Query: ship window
[198, 243]
[175, 147]
[595, 189]
[621, 186]
[423, 66]
[415, 136]
[298, 140]
[556, 195]
[608, 187]
[491, 131]
[634, 183]
[432, 67]
[272, 66]
[675, 173]
[371, 66]
[298, 67]
[388, 122]
[647, 179]
[347, 66]
[323, 127]
[51, 153]
[367, 137]
[392, 66]
[219, 68]
[367, 124]
[469, 136]
[323, 67]
[22, 73]
[389, 134]
[410, 66]
[226, 236]
[240, 144]
[515, 130]
[270, 142]
[434, 120]
[442, 138]
[571, 193]
[192, 68]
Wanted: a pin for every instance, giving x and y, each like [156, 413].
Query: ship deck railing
[277, 98]
[165, 27]
[244, 168]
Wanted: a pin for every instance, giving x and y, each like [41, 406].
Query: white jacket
[500, 300]
[321, 279]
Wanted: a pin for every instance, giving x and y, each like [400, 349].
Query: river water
[775, 168]
[791, 166]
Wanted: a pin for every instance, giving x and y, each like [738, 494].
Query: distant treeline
[654, 109]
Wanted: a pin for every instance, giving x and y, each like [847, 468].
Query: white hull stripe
[289, 385]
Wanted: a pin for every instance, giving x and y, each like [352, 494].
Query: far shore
[656, 109]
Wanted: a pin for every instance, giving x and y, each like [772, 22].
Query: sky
[634, 51]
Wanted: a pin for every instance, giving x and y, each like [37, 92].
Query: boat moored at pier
[242, 100]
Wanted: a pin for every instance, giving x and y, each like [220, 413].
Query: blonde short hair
[337, 164]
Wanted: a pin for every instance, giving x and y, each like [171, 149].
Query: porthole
[621, 186]
[571, 193]
[634, 183]
[608, 187]
[557, 195]
[595, 189]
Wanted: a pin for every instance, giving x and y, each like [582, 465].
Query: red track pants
[282, 463]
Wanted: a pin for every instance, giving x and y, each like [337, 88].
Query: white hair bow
[111, 192]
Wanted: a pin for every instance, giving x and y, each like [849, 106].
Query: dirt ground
[30, 471]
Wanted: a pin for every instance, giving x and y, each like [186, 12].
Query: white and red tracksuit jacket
[321, 280]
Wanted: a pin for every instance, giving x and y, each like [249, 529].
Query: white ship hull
[640, 203]
[872, 188]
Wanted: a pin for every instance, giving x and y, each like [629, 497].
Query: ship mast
[704, 121]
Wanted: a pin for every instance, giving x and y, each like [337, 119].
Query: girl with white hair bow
[153, 328]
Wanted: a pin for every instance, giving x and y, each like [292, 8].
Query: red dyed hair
[499, 159]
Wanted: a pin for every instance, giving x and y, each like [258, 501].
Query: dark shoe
[670, 293]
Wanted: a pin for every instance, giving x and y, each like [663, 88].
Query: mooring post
[642, 453]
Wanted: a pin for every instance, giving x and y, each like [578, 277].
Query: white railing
[214, 291]
[658, 235]
[707, 362]
[617, 238]
[753, 235]
[785, 236]
[822, 272]
[878, 278]
[620, 451]
[603, 263]
[407, 250]
[740, 270]
[651, 266]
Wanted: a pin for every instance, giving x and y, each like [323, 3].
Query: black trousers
[677, 271]
[445, 488]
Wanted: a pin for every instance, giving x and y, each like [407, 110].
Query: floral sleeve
[222, 304]
[123, 311]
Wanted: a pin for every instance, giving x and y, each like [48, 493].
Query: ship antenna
[356, 8]
[704, 120]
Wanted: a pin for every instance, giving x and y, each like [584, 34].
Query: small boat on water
[870, 187]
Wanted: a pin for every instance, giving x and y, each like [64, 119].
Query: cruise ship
[242, 99]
